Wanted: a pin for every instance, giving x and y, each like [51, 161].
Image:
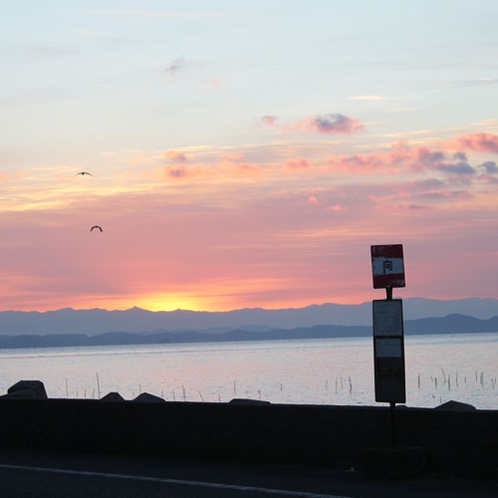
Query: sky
[245, 154]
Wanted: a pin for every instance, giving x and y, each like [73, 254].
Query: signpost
[387, 267]
[389, 356]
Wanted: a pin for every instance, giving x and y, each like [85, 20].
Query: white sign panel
[381, 266]
[387, 317]
[388, 348]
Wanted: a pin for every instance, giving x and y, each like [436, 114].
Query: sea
[339, 371]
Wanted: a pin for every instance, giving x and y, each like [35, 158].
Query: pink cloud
[337, 207]
[221, 170]
[325, 124]
[403, 159]
[482, 142]
[297, 164]
[402, 207]
[270, 121]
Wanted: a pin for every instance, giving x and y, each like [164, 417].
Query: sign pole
[392, 404]
[389, 359]
[394, 429]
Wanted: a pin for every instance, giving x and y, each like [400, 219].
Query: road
[52, 475]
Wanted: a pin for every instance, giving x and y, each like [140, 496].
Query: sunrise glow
[255, 173]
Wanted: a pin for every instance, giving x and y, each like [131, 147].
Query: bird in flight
[83, 173]
[96, 227]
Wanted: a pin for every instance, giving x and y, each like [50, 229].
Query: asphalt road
[52, 475]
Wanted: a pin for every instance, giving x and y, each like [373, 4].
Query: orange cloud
[176, 156]
[231, 156]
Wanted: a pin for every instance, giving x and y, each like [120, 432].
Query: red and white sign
[387, 266]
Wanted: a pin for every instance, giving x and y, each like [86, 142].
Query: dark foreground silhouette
[454, 438]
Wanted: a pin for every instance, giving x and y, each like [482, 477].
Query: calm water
[315, 371]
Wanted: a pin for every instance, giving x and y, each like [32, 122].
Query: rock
[148, 398]
[455, 406]
[113, 396]
[29, 389]
[248, 401]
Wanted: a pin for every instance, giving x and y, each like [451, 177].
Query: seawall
[451, 441]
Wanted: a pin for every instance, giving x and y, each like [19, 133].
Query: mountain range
[95, 322]
[453, 323]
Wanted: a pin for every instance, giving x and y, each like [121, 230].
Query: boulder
[29, 389]
[248, 401]
[148, 398]
[113, 396]
[455, 406]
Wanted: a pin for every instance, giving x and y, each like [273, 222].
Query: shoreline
[453, 438]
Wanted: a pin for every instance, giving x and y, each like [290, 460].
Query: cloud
[326, 124]
[175, 66]
[460, 168]
[333, 123]
[490, 166]
[270, 121]
[176, 156]
[177, 172]
[482, 142]
[297, 164]
[402, 207]
[402, 159]
[337, 207]
[220, 171]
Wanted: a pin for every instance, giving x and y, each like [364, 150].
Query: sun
[173, 302]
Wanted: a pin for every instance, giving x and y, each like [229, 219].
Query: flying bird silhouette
[83, 173]
[97, 227]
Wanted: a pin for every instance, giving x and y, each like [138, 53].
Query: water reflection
[315, 371]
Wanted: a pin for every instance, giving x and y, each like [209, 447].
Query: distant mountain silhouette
[453, 323]
[98, 321]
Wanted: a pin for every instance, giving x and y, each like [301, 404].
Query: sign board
[387, 266]
[387, 317]
[389, 351]
[388, 348]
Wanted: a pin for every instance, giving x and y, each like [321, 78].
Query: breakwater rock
[450, 439]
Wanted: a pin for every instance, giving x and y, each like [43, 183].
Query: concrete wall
[460, 442]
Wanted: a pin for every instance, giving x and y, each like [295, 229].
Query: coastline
[454, 438]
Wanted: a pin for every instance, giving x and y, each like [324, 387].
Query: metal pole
[394, 431]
